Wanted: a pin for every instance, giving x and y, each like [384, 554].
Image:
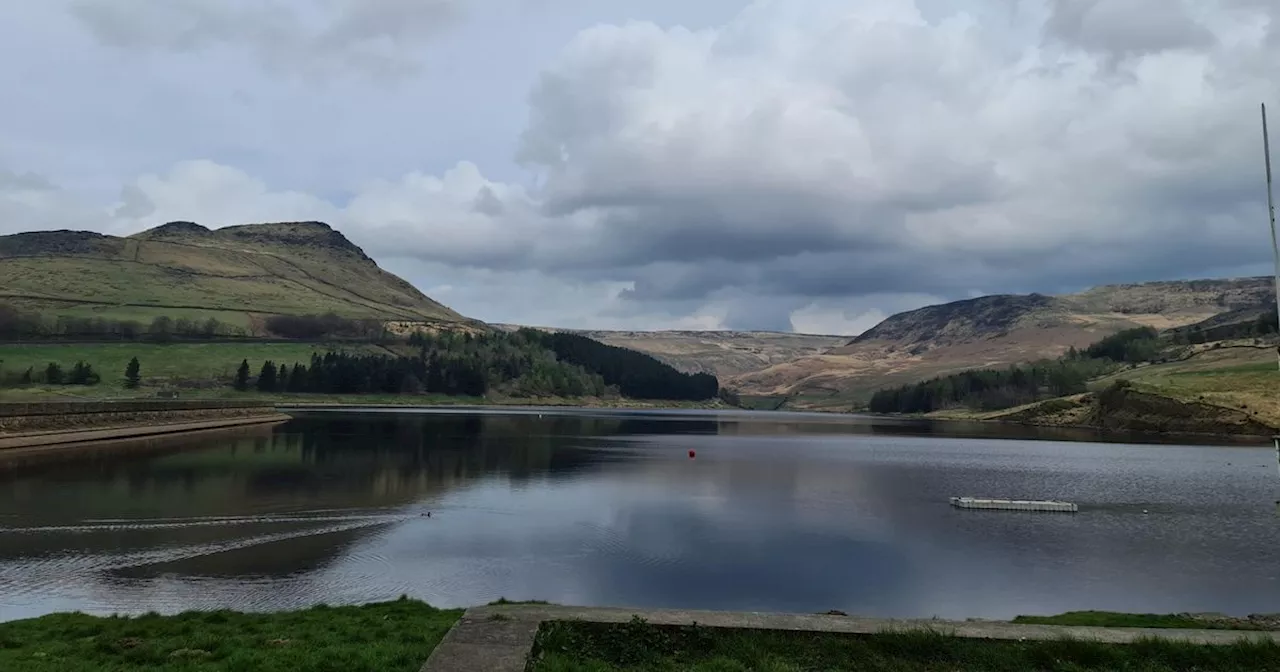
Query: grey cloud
[488, 203]
[26, 181]
[134, 204]
[302, 36]
[762, 314]
[1126, 27]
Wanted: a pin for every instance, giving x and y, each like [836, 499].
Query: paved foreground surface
[498, 638]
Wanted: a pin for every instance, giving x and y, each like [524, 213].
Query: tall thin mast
[1271, 212]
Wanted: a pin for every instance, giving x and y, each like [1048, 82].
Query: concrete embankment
[30, 425]
[500, 638]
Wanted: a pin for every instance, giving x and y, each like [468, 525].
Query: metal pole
[1271, 212]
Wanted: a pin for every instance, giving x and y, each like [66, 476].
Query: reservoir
[758, 511]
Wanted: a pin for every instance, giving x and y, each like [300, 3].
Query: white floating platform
[1013, 505]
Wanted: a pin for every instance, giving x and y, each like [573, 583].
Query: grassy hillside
[992, 331]
[722, 353]
[1225, 387]
[1245, 377]
[235, 274]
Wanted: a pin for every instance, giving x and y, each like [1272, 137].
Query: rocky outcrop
[959, 321]
[294, 235]
[57, 243]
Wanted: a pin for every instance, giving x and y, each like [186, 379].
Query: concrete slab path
[499, 637]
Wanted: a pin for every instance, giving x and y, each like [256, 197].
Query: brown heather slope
[722, 353]
[992, 331]
[182, 269]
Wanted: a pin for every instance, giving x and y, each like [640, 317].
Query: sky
[791, 165]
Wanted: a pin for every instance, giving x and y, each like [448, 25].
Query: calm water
[784, 513]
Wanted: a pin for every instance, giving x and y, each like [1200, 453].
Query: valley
[990, 331]
[193, 303]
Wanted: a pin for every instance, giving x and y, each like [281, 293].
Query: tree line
[991, 389]
[328, 325]
[79, 374]
[51, 374]
[526, 363]
[995, 389]
[1140, 344]
[636, 374]
[17, 323]
[344, 373]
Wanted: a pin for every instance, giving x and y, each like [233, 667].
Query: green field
[163, 364]
[639, 647]
[388, 637]
[1112, 619]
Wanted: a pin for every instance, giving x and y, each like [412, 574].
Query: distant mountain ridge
[994, 331]
[182, 268]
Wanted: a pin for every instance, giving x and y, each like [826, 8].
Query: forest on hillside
[995, 389]
[527, 363]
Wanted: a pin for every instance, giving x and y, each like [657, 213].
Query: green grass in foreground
[388, 637]
[639, 647]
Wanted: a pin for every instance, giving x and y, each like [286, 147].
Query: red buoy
[692, 454]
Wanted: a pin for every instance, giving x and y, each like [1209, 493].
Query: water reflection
[777, 512]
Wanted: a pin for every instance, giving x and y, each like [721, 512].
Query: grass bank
[1112, 619]
[1243, 378]
[639, 647]
[387, 637]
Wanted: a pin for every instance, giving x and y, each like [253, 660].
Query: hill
[236, 274]
[721, 353]
[994, 331]
[1223, 388]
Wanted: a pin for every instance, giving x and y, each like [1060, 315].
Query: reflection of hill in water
[338, 463]
[325, 481]
[270, 503]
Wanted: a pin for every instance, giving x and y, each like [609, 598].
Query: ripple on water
[77, 573]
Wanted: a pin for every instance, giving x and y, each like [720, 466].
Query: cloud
[807, 164]
[1127, 27]
[378, 37]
